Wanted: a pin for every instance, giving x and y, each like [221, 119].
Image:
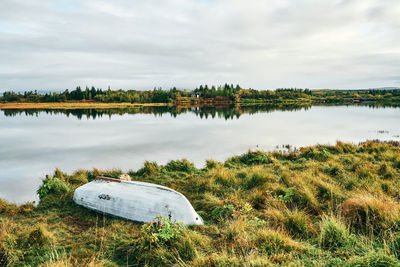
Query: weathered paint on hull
[136, 201]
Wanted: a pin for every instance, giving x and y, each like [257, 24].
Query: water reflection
[226, 112]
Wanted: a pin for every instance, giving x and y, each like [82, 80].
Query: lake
[34, 143]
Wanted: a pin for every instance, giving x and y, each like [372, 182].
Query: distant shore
[102, 105]
[179, 104]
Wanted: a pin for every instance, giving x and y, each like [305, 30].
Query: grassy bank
[320, 206]
[75, 105]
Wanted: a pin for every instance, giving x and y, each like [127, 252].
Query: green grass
[319, 206]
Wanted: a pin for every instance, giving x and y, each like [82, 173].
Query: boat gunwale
[139, 183]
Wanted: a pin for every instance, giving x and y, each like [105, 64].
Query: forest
[226, 92]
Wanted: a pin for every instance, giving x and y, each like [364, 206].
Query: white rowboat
[136, 201]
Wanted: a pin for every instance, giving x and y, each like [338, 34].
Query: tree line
[233, 92]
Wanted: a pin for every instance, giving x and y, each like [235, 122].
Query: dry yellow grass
[74, 105]
[369, 211]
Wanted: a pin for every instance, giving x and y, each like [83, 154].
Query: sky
[136, 44]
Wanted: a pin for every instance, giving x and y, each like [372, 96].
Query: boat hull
[136, 201]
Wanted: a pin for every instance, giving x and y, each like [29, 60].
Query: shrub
[250, 158]
[78, 177]
[154, 235]
[180, 165]
[149, 168]
[59, 174]
[162, 229]
[53, 186]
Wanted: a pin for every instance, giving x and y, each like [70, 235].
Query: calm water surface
[33, 145]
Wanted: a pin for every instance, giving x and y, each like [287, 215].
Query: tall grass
[322, 205]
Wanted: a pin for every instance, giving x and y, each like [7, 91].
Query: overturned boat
[136, 201]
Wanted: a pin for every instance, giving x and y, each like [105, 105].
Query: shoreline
[78, 105]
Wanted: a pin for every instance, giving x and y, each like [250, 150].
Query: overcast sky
[139, 44]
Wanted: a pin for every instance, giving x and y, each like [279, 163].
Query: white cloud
[57, 44]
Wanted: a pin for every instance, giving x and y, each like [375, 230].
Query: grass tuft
[334, 234]
[369, 213]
